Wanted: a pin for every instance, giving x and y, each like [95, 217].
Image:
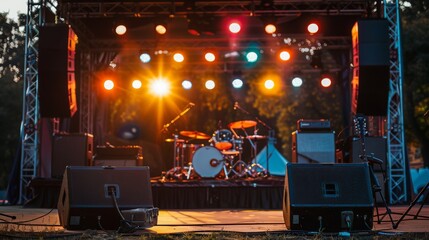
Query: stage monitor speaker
[371, 62]
[328, 197]
[70, 149]
[85, 200]
[56, 66]
[313, 147]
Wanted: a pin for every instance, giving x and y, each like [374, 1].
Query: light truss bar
[85, 9]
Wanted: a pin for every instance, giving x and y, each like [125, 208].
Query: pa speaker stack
[57, 85]
[371, 57]
[328, 197]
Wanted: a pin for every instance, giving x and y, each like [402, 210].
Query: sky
[13, 7]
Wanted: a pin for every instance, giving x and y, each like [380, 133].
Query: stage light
[297, 82]
[284, 55]
[178, 57]
[313, 28]
[269, 84]
[270, 28]
[210, 84]
[160, 28]
[234, 27]
[210, 57]
[120, 29]
[186, 84]
[136, 84]
[160, 87]
[326, 82]
[109, 84]
[145, 57]
[237, 83]
[252, 56]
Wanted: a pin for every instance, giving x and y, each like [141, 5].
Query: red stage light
[313, 28]
[234, 27]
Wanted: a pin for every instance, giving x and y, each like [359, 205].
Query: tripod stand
[412, 205]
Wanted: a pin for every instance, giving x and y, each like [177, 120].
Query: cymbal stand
[242, 168]
[255, 166]
[177, 171]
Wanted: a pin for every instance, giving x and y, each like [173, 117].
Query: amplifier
[313, 125]
[118, 156]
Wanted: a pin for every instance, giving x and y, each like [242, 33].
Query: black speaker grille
[328, 184]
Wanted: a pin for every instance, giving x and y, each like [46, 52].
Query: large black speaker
[313, 147]
[371, 66]
[57, 86]
[70, 149]
[85, 200]
[328, 197]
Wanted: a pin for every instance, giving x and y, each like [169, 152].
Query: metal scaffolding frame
[68, 10]
[397, 159]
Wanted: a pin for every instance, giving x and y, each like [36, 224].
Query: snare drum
[207, 162]
[222, 139]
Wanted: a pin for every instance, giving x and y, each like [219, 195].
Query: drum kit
[218, 156]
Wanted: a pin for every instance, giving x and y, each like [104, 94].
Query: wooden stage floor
[204, 220]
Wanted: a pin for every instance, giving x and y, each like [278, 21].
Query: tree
[11, 68]
[415, 19]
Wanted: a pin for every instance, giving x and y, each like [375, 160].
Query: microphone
[191, 104]
[235, 105]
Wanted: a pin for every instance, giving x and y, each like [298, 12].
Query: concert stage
[241, 193]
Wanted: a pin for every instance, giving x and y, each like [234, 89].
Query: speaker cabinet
[374, 147]
[313, 147]
[85, 200]
[118, 156]
[370, 83]
[328, 197]
[57, 85]
[75, 149]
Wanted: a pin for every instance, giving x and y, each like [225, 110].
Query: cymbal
[242, 124]
[255, 137]
[172, 140]
[194, 134]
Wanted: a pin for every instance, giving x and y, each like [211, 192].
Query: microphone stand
[270, 137]
[177, 167]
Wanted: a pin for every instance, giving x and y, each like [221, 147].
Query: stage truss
[71, 11]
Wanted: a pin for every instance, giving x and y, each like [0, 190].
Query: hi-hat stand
[256, 167]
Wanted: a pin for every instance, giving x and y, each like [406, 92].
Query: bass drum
[207, 162]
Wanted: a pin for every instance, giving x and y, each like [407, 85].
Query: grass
[147, 235]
